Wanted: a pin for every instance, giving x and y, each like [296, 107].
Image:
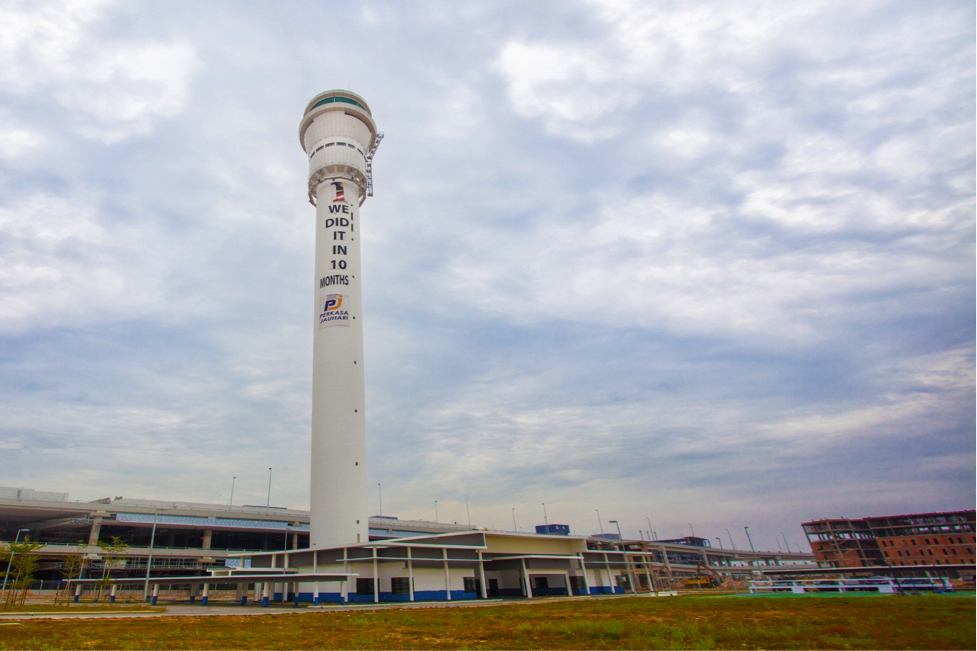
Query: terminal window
[400, 585]
[364, 587]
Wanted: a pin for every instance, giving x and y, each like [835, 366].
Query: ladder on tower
[369, 164]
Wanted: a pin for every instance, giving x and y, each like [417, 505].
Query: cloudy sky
[702, 264]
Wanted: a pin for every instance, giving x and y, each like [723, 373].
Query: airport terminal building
[183, 543]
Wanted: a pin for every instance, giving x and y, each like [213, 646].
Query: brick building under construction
[895, 540]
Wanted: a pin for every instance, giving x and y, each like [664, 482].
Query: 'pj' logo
[339, 191]
[333, 302]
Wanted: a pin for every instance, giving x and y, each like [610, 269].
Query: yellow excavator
[708, 580]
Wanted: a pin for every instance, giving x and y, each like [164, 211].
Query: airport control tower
[340, 138]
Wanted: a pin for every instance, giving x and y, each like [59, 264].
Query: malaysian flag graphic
[339, 191]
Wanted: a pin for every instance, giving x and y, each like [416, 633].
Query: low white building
[451, 566]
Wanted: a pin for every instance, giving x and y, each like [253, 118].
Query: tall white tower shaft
[338, 134]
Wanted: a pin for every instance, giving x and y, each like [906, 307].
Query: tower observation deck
[339, 137]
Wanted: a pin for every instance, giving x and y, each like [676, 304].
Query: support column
[610, 577]
[265, 599]
[376, 578]
[315, 570]
[525, 579]
[344, 588]
[112, 593]
[668, 564]
[206, 594]
[481, 576]
[193, 592]
[95, 530]
[155, 593]
[285, 585]
[208, 538]
[583, 572]
[77, 592]
[647, 563]
[447, 574]
[410, 574]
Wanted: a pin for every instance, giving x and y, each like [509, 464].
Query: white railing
[879, 584]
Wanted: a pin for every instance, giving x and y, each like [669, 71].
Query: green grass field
[802, 622]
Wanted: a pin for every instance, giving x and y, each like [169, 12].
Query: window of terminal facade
[400, 585]
[364, 587]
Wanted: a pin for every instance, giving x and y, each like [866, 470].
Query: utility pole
[268, 502]
[624, 549]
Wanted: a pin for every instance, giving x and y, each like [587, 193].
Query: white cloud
[717, 55]
[17, 140]
[114, 88]
[659, 262]
[61, 264]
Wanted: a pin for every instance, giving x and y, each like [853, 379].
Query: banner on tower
[333, 310]
[339, 191]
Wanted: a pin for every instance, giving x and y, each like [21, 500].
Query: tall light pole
[380, 489]
[268, 502]
[720, 541]
[546, 520]
[436, 511]
[600, 523]
[692, 530]
[651, 529]
[624, 549]
[747, 529]
[515, 526]
[231, 502]
[468, 512]
[10, 562]
[732, 544]
[149, 561]
[785, 541]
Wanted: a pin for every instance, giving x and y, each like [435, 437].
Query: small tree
[113, 557]
[70, 568]
[22, 564]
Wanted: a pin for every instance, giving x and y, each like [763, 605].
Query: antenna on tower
[369, 164]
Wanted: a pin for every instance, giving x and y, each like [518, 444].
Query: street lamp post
[10, 562]
[651, 529]
[149, 561]
[732, 544]
[624, 549]
[515, 527]
[268, 502]
[380, 489]
[468, 512]
[600, 523]
[436, 511]
[720, 541]
[231, 503]
[546, 520]
[692, 530]
[747, 529]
